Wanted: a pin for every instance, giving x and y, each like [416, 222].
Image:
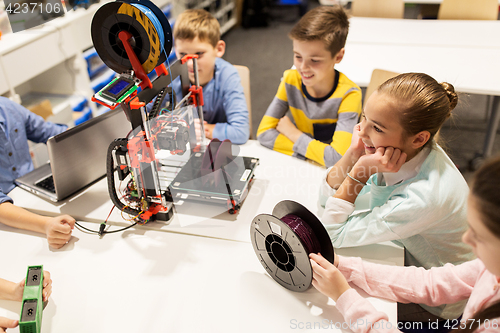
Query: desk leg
[490, 135]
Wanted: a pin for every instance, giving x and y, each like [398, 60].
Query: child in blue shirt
[225, 110]
[17, 126]
[396, 184]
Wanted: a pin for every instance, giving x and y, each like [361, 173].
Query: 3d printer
[133, 38]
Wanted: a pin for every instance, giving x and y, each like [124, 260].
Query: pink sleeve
[436, 286]
[360, 315]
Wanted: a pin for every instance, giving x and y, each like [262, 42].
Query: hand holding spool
[283, 241]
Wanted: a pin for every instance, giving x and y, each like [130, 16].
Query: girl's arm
[359, 314]
[385, 159]
[57, 229]
[338, 172]
[433, 287]
[436, 286]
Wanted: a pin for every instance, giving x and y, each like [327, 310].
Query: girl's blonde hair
[425, 104]
[199, 23]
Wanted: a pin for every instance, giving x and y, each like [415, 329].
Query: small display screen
[117, 88]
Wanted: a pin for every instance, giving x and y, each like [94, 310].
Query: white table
[441, 33]
[151, 281]
[472, 67]
[156, 278]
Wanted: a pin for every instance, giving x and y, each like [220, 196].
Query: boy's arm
[58, 229]
[267, 134]
[37, 129]
[237, 128]
[329, 154]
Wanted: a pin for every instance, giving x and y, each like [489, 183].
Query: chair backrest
[244, 73]
[378, 8]
[468, 10]
[379, 76]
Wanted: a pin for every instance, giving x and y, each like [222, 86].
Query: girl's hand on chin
[385, 159]
[357, 147]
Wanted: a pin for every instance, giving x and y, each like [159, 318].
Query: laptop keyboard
[47, 183]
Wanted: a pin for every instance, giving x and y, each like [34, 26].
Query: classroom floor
[267, 52]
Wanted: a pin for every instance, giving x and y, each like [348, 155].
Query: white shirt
[338, 210]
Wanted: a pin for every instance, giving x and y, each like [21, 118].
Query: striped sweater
[326, 123]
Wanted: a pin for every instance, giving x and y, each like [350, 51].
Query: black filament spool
[280, 250]
[108, 22]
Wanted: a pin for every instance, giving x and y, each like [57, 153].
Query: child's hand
[357, 147]
[6, 323]
[47, 288]
[58, 230]
[197, 129]
[327, 278]
[385, 159]
[209, 130]
[288, 129]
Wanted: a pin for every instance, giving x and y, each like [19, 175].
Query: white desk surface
[469, 70]
[144, 280]
[278, 177]
[442, 33]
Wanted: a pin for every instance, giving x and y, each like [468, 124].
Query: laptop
[77, 157]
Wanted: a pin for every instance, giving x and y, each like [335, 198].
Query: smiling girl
[477, 280]
[412, 192]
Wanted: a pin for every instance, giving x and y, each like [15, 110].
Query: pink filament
[304, 232]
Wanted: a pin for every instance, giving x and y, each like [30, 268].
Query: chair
[468, 10]
[379, 76]
[378, 8]
[244, 73]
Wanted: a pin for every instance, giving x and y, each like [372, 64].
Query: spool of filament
[151, 34]
[282, 242]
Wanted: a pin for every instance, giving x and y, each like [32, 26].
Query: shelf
[228, 25]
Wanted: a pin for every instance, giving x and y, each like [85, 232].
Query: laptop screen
[78, 155]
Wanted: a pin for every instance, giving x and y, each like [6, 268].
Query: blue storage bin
[86, 114]
[79, 103]
[94, 64]
[102, 80]
[167, 10]
[290, 2]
